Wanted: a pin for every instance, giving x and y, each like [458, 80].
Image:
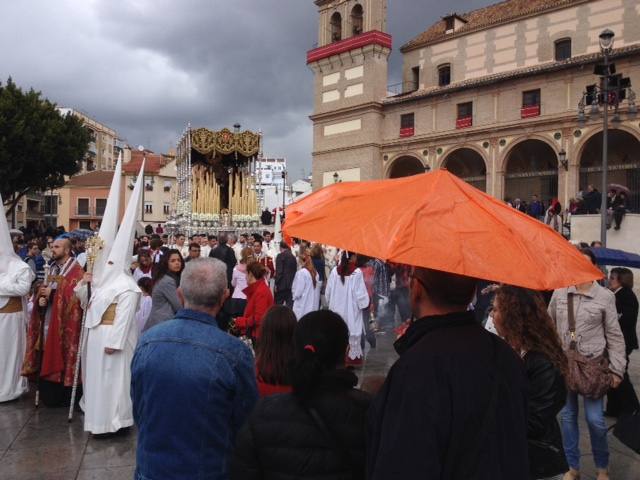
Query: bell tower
[350, 81]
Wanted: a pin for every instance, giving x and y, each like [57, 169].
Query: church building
[500, 96]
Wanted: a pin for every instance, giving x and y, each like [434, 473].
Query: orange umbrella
[438, 221]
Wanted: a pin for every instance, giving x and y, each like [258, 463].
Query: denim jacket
[192, 386]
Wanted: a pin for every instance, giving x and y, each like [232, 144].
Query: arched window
[563, 49]
[357, 16]
[336, 27]
[444, 75]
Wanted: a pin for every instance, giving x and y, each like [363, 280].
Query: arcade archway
[531, 169]
[468, 165]
[623, 164]
[405, 166]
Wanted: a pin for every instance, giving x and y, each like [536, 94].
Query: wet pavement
[42, 445]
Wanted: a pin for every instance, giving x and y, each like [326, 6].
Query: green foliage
[38, 146]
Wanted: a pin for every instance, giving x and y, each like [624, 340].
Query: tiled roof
[512, 74]
[154, 162]
[502, 12]
[98, 178]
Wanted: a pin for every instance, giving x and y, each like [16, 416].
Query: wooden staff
[93, 246]
[43, 313]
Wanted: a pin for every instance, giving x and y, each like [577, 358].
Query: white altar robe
[348, 300]
[13, 334]
[306, 297]
[107, 399]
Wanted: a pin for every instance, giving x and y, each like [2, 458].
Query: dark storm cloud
[147, 67]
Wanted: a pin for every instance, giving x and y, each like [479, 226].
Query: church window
[336, 27]
[444, 75]
[357, 15]
[563, 49]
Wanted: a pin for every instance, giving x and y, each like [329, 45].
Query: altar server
[306, 286]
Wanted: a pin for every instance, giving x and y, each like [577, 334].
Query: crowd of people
[248, 351]
[588, 201]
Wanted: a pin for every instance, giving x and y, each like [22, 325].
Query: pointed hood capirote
[9, 261]
[116, 277]
[8, 257]
[109, 225]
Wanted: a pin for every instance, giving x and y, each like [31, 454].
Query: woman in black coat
[522, 320]
[318, 431]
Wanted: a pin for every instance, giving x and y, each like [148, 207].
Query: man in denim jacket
[192, 384]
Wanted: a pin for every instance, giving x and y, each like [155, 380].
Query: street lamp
[336, 177]
[613, 89]
[284, 185]
[606, 41]
[562, 158]
[606, 46]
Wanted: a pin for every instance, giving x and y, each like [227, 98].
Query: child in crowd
[146, 285]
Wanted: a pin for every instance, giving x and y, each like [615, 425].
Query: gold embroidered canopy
[209, 142]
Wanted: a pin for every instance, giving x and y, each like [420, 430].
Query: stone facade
[505, 149]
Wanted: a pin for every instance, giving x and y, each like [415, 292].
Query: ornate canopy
[209, 142]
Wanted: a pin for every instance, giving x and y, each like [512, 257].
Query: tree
[39, 147]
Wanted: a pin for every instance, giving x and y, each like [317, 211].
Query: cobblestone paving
[42, 445]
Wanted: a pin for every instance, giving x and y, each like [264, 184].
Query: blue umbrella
[81, 233]
[618, 258]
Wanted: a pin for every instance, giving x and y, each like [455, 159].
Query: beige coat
[597, 326]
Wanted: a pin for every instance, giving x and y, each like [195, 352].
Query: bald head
[61, 250]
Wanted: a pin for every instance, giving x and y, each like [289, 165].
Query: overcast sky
[148, 67]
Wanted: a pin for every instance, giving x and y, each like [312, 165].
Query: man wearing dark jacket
[224, 253]
[454, 405]
[286, 267]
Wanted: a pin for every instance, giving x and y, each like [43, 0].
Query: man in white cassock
[15, 282]
[111, 332]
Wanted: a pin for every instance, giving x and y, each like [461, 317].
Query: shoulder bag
[589, 377]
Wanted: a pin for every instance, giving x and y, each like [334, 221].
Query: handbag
[589, 377]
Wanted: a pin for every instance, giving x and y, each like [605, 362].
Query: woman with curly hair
[521, 319]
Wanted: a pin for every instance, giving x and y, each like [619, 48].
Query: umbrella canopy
[81, 233]
[618, 258]
[619, 188]
[438, 221]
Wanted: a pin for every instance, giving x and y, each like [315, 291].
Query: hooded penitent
[109, 225]
[8, 258]
[116, 277]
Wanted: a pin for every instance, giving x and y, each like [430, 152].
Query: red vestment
[63, 336]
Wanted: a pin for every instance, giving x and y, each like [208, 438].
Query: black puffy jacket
[547, 396]
[281, 440]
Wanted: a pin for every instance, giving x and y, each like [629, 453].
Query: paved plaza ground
[42, 445]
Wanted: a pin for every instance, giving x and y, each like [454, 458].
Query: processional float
[217, 178]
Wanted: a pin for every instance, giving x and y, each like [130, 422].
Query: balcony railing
[530, 111]
[407, 132]
[464, 122]
[83, 212]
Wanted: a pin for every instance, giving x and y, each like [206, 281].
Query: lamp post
[284, 185]
[606, 45]
[336, 177]
[613, 89]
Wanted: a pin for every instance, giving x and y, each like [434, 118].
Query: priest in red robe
[62, 324]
